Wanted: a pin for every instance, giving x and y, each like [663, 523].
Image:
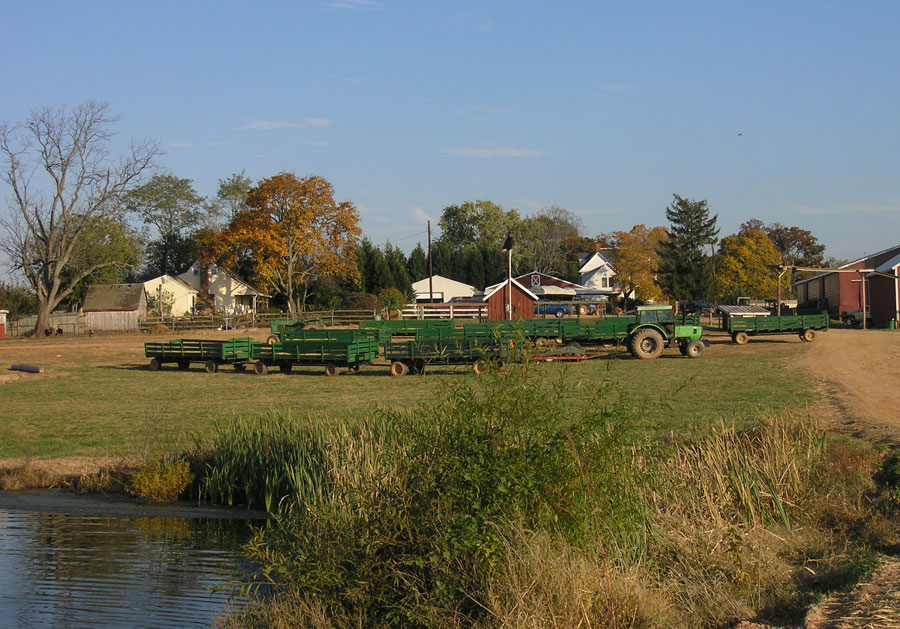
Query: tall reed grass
[502, 505]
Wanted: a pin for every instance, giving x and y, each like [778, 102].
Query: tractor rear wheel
[647, 343]
[694, 349]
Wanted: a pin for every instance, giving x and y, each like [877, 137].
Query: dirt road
[857, 373]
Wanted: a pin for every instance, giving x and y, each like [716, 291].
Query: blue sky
[782, 111]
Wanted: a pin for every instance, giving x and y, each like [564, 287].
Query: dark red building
[497, 297]
[838, 293]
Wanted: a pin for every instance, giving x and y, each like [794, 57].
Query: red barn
[842, 292]
[498, 296]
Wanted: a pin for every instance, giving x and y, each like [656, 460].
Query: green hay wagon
[348, 353]
[805, 326]
[414, 356]
[212, 354]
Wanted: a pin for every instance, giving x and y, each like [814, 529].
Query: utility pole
[430, 269]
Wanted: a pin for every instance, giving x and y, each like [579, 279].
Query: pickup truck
[855, 318]
[556, 309]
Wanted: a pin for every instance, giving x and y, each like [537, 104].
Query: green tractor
[655, 327]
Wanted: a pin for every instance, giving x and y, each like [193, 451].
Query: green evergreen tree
[685, 269]
[417, 264]
[396, 264]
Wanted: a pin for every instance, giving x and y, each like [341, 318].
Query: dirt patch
[9, 377]
[857, 376]
[872, 604]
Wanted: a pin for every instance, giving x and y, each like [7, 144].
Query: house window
[604, 282]
[196, 271]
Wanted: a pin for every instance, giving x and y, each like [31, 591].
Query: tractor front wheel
[694, 349]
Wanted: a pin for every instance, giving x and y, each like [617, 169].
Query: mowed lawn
[98, 398]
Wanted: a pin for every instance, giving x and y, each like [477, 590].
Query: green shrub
[160, 480]
[411, 524]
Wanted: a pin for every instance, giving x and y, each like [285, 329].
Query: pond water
[97, 561]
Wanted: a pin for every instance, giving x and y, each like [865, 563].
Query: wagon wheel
[808, 335]
[285, 367]
[694, 349]
[480, 367]
[155, 364]
[211, 366]
[331, 369]
[740, 338]
[355, 368]
[582, 309]
[184, 364]
[272, 339]
[398, 368]
[260, 368]
[559, 314]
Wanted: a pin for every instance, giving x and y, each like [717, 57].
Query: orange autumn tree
[293, 233]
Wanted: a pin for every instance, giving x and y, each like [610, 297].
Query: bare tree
[64, 184]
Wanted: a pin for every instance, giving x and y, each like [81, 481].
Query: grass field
[97, 397]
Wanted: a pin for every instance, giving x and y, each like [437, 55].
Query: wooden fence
[444, 311]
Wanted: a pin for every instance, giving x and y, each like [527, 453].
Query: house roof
[103, 297]
[231, 275]
[890, 265]
[422, 285]
[490, 290]
[173, 278]
[848, 265]
[586, 256]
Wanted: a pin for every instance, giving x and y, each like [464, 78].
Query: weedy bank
[505, 503]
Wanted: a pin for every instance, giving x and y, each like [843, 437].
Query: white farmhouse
[174, 292]
[597, 274]
[227, 292]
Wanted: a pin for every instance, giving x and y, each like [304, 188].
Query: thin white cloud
[272, 125]
[418, 214]
[493, 152]
[352, 5]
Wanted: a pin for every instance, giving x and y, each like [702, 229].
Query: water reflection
[89, 570]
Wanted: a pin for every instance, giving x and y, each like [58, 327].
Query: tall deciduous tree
[478, 222]
[296, 233]
[635, 254]
[544, 238]
[232, 194]
[685, 271]
[65, 186]
[797, 246]
[173, 208]
[743, 267]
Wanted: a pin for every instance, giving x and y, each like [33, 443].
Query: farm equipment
[279, 327]
[655, 327]
[413, 356]
[331, 353]
[212, 354]
[742, 328]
